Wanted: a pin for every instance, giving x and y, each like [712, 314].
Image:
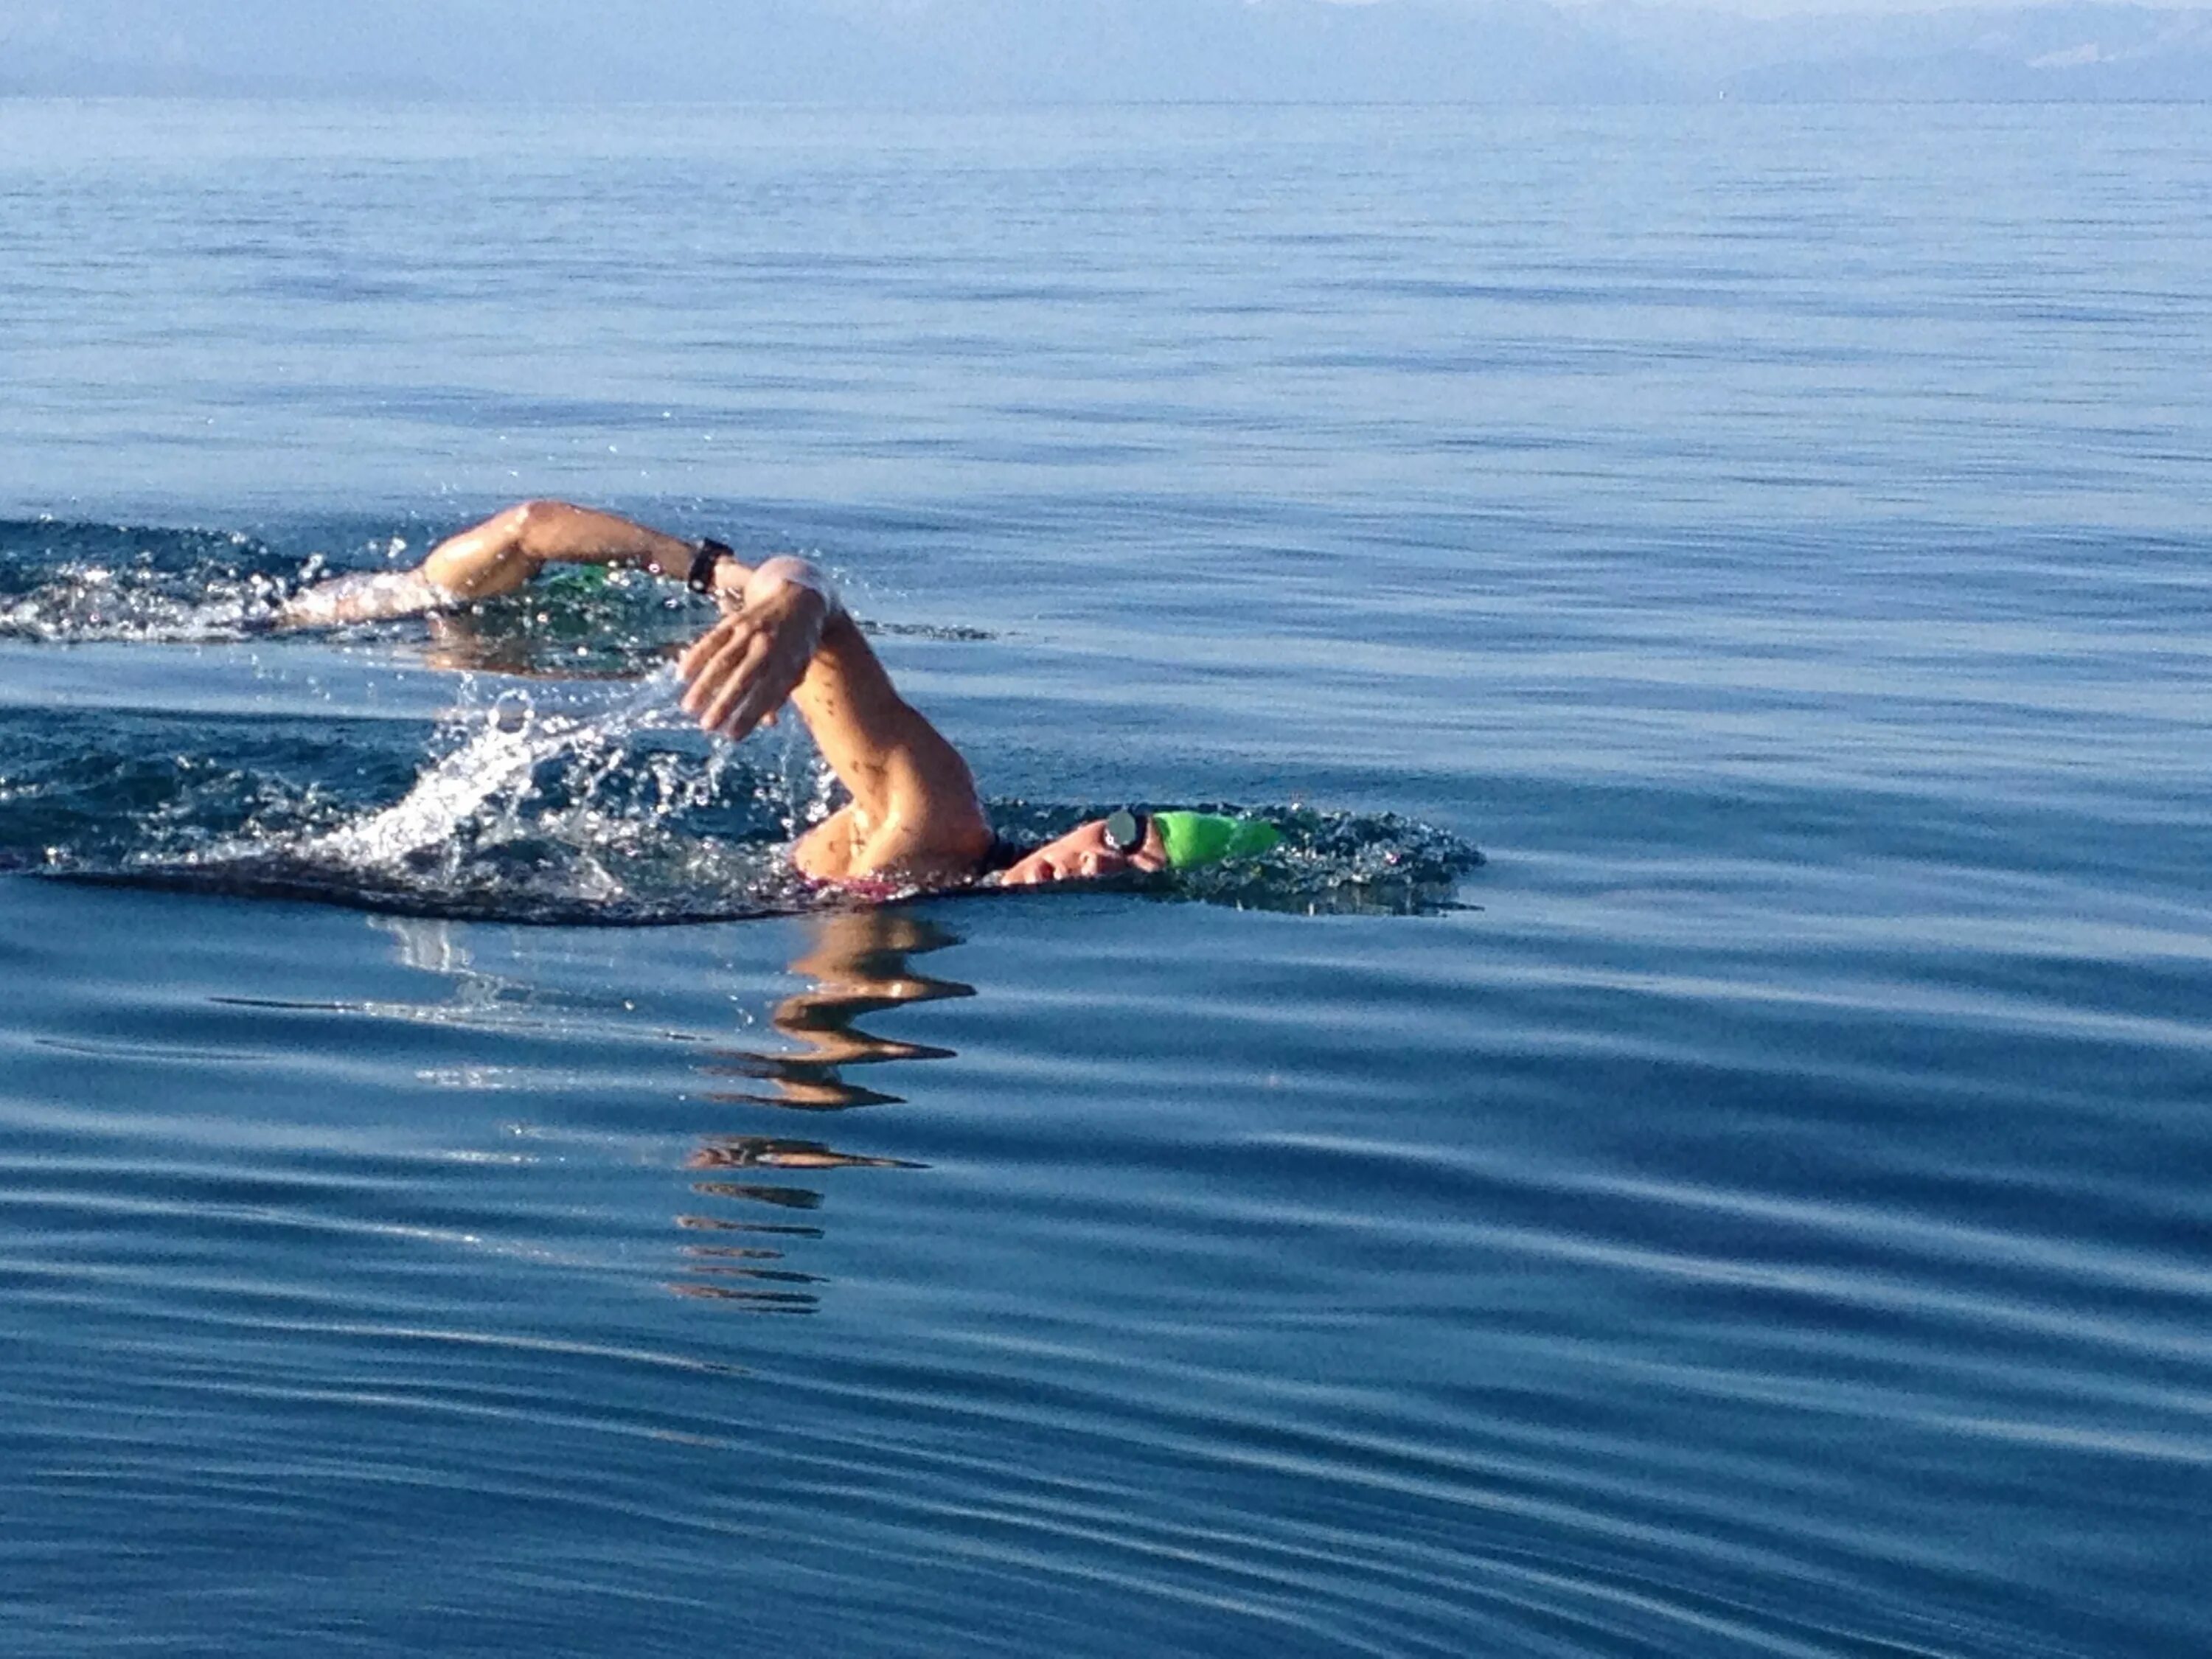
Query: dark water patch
[96, 788]
[926, 631]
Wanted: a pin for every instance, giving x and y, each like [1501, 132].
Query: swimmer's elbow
[942, 803]
[532, 523]
[970, 842]
[946, 838]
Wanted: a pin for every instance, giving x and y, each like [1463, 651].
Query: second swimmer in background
[914, 820]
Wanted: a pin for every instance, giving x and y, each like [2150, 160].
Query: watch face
[1125, 831]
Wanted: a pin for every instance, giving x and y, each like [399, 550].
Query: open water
[1763, 1207]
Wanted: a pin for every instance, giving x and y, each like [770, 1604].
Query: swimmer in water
[914, 820]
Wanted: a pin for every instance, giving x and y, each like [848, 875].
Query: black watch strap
[710, 554]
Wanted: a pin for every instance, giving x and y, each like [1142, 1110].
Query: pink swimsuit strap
[874, 889]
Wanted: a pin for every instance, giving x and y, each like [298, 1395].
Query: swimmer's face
[1082, 854]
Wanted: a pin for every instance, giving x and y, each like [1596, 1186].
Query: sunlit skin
[914, 819]
[1082, 854]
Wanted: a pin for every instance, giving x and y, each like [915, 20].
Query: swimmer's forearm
[506, 550]
[895, 763]
[365, 596]
[500, 555]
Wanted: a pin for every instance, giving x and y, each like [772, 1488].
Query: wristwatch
[1125, 831]
[710, 554]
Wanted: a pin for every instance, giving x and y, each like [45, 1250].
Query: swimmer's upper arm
[497, 557]
[503, 552]
[915, 808]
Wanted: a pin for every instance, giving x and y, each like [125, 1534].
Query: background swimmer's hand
[741, 670]
[368, 596]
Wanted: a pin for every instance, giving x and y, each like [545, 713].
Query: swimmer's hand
[370, 596]
[740, 671]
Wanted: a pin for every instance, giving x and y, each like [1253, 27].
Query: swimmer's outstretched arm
[913, 813]
[498, 556]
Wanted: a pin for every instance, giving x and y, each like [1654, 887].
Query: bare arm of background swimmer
[499, 556]
[914, 812]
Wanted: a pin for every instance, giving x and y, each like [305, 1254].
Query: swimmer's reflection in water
[756, 1189]
[460, 641]
[860, 963]
[914, 820]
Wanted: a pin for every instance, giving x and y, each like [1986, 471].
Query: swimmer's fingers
[704, 649]
[731, 684]
[741, 670]
[689, 658]
[706, 666]
[751, 686]
[750, 709]
[769, 678]
[719, 672]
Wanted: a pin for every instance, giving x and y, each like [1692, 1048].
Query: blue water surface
[1765, 1208]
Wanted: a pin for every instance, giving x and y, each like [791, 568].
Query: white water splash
[498, 762]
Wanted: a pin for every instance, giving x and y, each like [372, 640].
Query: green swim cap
[1196, 838]
[577, 579]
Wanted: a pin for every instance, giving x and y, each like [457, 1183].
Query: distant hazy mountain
[2052, 52]
[967, 52]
